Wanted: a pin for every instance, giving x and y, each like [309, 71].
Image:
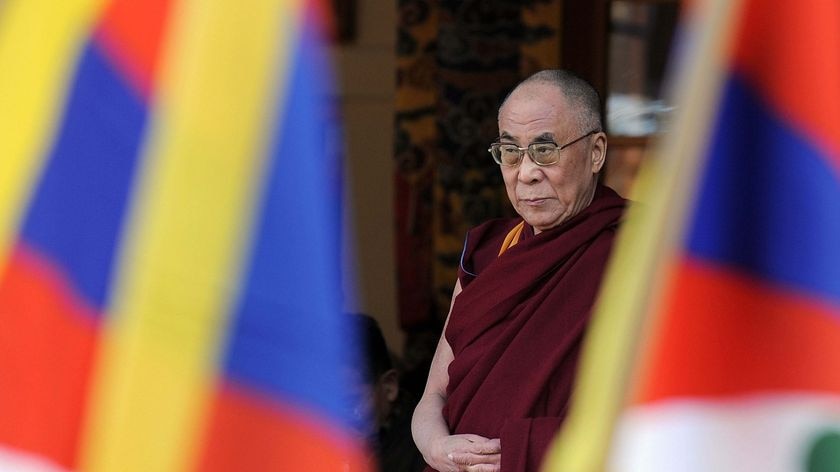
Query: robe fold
[516, 327]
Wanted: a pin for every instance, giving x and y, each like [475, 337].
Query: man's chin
[540, 220]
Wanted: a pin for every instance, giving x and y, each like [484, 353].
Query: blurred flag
[169, 239]
[725, 288]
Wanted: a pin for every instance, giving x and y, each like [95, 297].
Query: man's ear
[599, 152]
[390, 384]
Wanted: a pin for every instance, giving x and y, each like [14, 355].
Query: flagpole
[646, 243]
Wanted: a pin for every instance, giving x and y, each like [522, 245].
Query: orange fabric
[512, 238]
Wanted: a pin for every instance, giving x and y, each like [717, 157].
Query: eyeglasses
[542, 154]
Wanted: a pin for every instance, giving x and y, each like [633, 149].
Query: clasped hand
[466, 453]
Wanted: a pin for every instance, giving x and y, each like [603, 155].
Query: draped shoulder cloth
[516, 327]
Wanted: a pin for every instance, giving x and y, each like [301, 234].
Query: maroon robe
[516, 328]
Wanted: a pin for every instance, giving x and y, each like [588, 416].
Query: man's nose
[528, 170]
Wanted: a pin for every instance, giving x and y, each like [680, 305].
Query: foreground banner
[716, 342]
[169, 239]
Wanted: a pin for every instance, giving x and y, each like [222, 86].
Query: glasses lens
[508, 154]
[543, 153]
[504, 154]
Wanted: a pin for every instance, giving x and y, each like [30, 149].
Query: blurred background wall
[365, 94]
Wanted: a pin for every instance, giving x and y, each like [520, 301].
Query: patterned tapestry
[456, 61]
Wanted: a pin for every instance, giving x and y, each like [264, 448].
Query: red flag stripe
[729, 335]
[789, 53]
[132, 32]
[47, 342]
[247, 432]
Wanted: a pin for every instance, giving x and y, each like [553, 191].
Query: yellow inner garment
[512, 237]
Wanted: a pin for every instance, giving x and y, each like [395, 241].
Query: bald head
[580, 96]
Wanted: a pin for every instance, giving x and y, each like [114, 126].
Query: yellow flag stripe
[186, 241]
[40, 41]
[647, 242]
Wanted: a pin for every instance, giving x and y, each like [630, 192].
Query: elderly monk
[502, 374]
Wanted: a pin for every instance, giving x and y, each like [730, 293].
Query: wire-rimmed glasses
[542, 153]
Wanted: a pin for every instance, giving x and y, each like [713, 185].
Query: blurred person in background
[383, 408]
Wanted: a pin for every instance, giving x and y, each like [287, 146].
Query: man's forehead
[534, 122]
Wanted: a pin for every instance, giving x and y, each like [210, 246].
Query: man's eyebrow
[541, 138]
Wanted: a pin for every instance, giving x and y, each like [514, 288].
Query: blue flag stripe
[769, 203]
[77, 210]
[288, 339]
